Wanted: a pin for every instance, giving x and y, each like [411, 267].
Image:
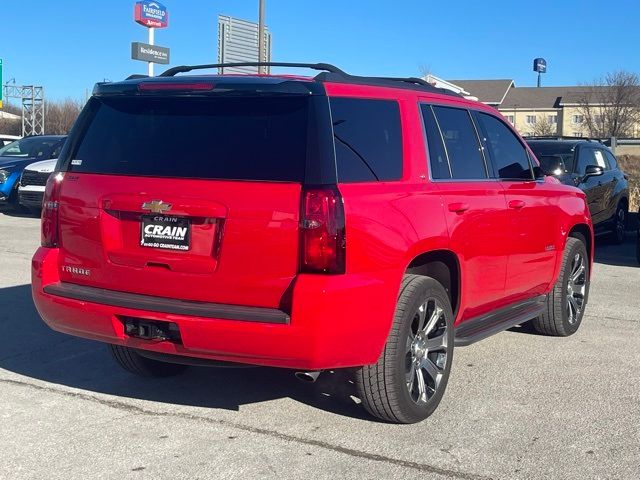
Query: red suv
[306, 223]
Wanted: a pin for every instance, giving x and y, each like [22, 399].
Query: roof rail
[314, 66]
[329, 73]
[561, 137]
[414, 80]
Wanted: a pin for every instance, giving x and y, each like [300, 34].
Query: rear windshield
[563, 150]
[243, 138]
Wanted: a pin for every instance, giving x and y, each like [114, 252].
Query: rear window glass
[461, 141]
[437, 153]
[247, 138]
[565, 151]
[368, 139]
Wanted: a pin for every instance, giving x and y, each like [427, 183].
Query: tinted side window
[437, 153]
[613, 163]
[508, 154]
[462, 145]
[601, 161]
[368, 139]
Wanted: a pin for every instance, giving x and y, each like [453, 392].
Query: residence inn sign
[151, 14]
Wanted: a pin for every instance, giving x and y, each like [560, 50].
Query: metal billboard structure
[32, 99]
[238, 42]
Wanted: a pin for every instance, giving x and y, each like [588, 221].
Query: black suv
[592, 167]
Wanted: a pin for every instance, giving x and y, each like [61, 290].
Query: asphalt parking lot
[518, 405]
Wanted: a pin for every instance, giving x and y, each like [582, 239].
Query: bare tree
[611, 106]
[424, 70]
[11, 126]
[60, 116]
[543, 127]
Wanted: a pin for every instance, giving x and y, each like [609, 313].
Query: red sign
[151, 14]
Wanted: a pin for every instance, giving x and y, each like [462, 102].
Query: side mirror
[593, 171]
[552, 164]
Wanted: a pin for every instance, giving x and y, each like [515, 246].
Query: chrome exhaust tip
[309, 377]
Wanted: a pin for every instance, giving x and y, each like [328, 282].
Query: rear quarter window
[368, 139]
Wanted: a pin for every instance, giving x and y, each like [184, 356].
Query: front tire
[411, 375]
[135, 363]
[568, 299]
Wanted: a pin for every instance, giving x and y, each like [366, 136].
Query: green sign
[1, 87]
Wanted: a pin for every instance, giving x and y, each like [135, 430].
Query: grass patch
[630, 164]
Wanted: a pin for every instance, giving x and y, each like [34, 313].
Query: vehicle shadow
[623, 255]
[11, 212]
[29, 348]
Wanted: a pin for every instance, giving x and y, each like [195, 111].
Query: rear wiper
[346, 144]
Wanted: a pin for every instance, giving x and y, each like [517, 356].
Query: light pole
[261, 46]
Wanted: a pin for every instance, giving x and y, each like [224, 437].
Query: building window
[598, 119]
[531, 119]
[552, 119]
[576, 119]
[510, 119]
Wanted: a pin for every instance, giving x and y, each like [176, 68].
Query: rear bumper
[332, 322]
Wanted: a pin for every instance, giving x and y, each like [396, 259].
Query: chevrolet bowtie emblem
[156, 206]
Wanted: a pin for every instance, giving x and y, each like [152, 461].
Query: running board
[479, 328]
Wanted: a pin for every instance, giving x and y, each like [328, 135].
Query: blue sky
[68, 45]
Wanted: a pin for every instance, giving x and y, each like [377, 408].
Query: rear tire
[619, 224]
[135, 363]
[568, 299]
[411, 375]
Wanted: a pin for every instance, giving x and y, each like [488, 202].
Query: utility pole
[261, 46]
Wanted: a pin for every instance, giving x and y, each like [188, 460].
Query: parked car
[7, 139]
[306, 223]
[32, 182]
[15, 156]
[592, 167]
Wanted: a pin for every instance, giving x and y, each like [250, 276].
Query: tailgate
[230, 242]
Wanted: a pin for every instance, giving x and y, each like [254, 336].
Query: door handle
[458, 207]
[517, 204]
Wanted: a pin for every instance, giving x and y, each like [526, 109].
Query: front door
[533, 226]
[474, 206]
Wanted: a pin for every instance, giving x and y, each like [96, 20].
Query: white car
[32, 182]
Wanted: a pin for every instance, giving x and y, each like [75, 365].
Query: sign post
[152, 15]
[1, 85]
[540, 66]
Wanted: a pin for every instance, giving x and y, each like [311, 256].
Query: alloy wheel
[620, 223]
[426, 353]
[576, 288]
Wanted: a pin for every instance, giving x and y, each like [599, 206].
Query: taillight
[50, 205]
[322, 231]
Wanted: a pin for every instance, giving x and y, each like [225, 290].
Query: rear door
[592, 186]
[186, 197]
[475, 207]
[533, 227]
